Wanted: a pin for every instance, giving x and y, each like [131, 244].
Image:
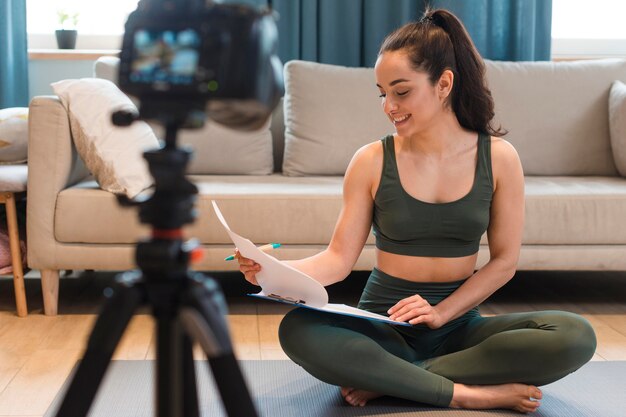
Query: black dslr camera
[185, 58]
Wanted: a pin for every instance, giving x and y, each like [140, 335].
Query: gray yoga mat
[283, 389]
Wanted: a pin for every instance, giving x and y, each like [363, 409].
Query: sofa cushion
[575, 210]
[559, 210]
[330, 112]
[219, 150]
[557, 113]
[112, 154]
[261, 208]
[13, 179]
[13, 135]
[617, 124]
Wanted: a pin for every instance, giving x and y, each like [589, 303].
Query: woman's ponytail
[438, 42]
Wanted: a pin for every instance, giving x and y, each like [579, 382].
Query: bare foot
[518, 397]
[358, 397]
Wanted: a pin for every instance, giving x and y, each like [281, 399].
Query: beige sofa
[557, 115]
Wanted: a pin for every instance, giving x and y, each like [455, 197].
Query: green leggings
[420, 364]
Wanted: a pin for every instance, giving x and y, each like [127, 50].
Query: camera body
[186, 59]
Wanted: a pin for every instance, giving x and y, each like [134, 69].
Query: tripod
[187, 306]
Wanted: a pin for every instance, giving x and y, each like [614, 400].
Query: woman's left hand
[416, 310]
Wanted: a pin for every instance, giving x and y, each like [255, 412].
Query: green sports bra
[405, 225]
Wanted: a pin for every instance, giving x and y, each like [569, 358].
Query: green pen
[264, 248]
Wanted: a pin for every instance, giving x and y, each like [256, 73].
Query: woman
[431, 190]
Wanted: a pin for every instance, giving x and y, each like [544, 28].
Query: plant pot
[66, 38]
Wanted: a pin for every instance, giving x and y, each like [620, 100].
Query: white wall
[42, 72]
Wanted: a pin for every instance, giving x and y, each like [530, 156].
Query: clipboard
[283, 283]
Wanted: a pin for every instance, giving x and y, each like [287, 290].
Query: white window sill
[572, 49]
[70, 54]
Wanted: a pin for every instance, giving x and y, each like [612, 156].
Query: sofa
[567, 120]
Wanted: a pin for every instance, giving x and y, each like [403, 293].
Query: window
[100, 22]
[581, 28]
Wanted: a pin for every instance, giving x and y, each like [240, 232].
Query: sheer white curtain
[588, 29]
[100, 22]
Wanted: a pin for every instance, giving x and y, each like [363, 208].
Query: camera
[187, 60]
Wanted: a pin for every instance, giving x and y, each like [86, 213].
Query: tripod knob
[124, 117]
[196, 255]
[124, 201]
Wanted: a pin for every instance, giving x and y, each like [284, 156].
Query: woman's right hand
[248, 267]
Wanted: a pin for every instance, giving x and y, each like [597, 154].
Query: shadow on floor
[603, 292]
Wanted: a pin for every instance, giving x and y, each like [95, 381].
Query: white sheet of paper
[292, 285]
[276, 277]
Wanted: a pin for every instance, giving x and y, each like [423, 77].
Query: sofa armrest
[53, 165]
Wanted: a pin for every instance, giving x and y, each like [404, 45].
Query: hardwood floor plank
[615, 321]
[611, 343]
[25, 335]
[69, 332]
[244, 333]
[10, 365]
[43, 374]
[268, 331]
[137, 339]
[268, 354]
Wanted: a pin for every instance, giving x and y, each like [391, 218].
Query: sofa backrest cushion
[557, 113]
[223, 151]
[217, 149]
[617, 124]
[330, 112]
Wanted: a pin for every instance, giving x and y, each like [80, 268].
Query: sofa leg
[50, 290]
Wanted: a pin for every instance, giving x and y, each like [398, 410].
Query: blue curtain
[343, 32]
[506, 30]
[349, 32]
[13, 54]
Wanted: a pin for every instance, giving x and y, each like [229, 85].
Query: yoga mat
[283, 389]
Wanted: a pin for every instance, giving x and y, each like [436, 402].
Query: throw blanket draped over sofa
[283, 184]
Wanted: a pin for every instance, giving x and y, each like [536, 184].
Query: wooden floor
[37, 352]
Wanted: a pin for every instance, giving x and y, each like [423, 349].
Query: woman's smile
[399, 120]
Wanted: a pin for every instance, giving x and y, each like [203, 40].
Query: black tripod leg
[106, 334]
[169, 363]
[204, 319]
[190, 391]
[176, 393]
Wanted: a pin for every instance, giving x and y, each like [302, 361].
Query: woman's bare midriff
[425, 269]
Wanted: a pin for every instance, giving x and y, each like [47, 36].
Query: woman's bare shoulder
[366, 166]
[369, 155]
[504, 158]
[502, 151]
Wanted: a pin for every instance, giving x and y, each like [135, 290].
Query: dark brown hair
[439, 42]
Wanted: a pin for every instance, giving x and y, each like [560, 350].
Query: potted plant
[66, 36]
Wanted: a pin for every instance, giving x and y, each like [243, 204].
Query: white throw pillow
[113, 154]
[14, 135]
[617, 124]
[330, 112]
